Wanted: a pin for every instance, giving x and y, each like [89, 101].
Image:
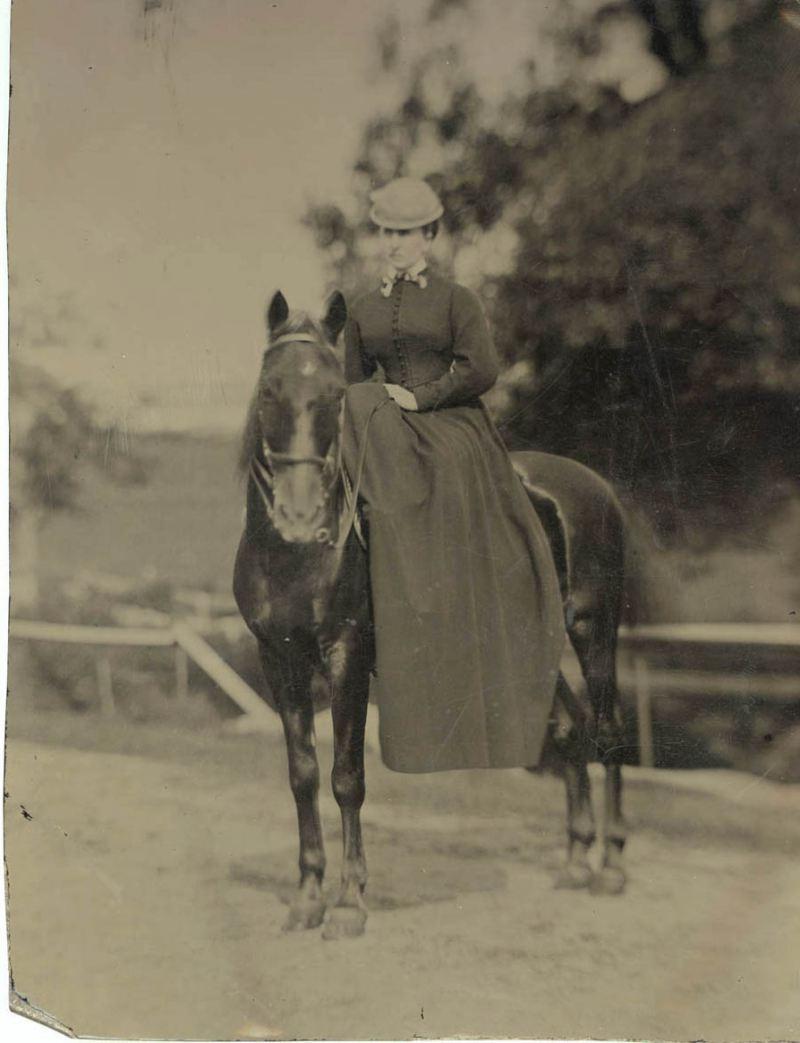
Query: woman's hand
[403, 397]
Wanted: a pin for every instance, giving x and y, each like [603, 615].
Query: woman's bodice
[432, 339]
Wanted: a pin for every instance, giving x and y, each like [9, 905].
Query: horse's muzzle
[301, 527]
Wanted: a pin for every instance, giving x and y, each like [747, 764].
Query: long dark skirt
[467, 609]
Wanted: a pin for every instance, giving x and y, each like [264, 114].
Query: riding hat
[405, 203]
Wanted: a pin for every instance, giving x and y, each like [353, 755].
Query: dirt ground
[149, 873]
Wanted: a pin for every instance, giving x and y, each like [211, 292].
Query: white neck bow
[413, 274]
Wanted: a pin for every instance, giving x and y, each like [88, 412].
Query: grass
[183, 524]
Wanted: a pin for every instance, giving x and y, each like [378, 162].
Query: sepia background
[620, 182]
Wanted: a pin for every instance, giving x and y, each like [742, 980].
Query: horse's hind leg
[349, 698]
[593, 635]
[293, 695]
[611, 878]
[568, 746]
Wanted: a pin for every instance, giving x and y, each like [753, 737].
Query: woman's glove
[403, 397]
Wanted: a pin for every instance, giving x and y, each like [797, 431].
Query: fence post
[181, 674]
[644, 712]
[226, 677]
[105, 687]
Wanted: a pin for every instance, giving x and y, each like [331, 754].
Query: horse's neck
[308, 583]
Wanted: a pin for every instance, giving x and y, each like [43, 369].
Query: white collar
[412, 274]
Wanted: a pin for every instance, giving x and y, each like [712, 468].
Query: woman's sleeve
[475, 367]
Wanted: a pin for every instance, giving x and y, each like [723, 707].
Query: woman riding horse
[465, 621]
[467, 607]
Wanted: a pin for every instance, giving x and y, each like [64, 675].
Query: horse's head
[296, 420]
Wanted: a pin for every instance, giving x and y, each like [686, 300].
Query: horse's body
[302, 586]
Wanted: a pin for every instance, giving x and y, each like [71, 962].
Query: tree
[631, 230]
[55, 440]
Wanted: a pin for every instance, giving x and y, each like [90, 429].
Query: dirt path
[147, 898]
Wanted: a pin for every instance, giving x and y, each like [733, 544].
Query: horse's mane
[297, 322]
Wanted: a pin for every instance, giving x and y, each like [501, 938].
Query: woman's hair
[430, 230]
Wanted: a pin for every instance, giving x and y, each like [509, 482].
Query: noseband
[264, 476]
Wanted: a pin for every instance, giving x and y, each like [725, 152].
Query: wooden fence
[187, 644]
[690, 644]
[638, 648]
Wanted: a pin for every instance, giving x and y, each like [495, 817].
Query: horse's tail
[633, 585]
[651, 586]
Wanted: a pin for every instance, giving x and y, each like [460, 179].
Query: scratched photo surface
[619, 184]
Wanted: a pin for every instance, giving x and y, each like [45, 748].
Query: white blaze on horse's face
[298, 491]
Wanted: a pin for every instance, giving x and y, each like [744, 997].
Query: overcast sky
[159, 164]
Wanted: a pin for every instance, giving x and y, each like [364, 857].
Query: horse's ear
[335, 316]
[278, 311]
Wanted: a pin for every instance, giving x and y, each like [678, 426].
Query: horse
[301, 583]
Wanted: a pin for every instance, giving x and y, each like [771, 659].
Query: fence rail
[636, 645]
[75, 634]
[762, 635]
[647, 683]
[188, 644]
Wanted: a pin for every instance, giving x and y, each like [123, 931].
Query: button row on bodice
[397, 340]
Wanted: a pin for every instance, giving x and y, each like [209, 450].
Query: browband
[303, 338]
[307, 338]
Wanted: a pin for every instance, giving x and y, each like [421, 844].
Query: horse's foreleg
[308, 907]
[569, 745]
[297, 715]
[349, 698]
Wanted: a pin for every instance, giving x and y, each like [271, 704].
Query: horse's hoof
[574, 876]
[305, 916]
[609, 881]
[344, 921]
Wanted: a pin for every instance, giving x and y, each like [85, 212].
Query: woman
[468, 615]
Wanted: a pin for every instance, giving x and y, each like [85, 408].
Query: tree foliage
[55, 437]
[623, 193]
[51, 430]
[56, 442]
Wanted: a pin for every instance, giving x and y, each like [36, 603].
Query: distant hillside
[183, 524]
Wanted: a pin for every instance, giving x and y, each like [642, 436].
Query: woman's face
[403, 248]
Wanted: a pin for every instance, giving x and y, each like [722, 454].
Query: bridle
[263, 474]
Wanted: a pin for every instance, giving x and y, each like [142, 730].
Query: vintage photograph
[404, 418]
